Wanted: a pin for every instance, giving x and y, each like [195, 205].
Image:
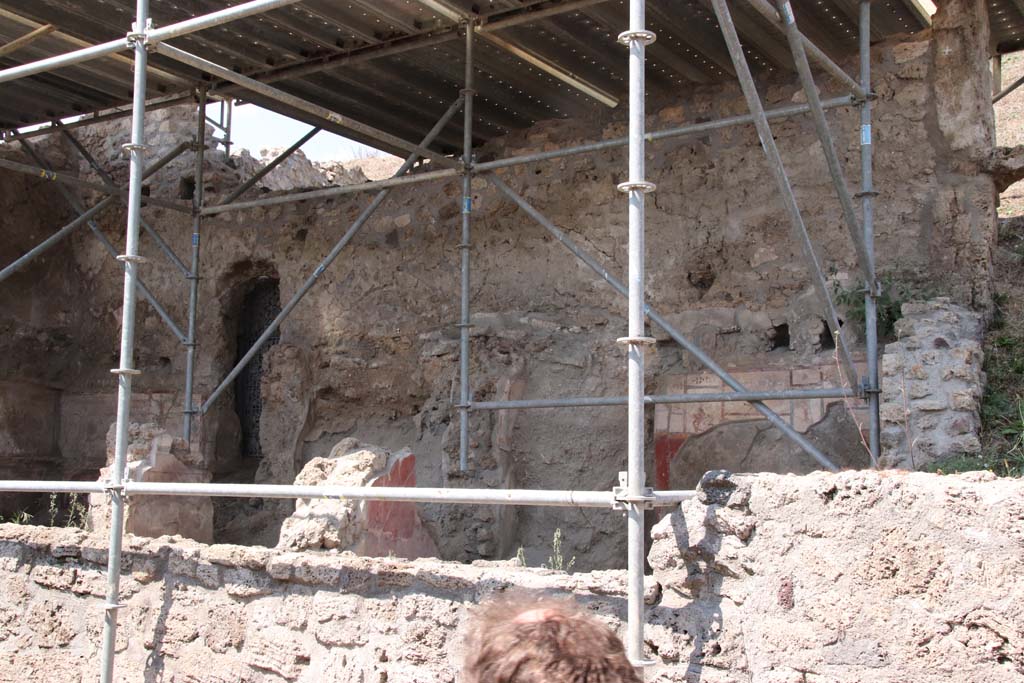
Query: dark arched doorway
[260, 305]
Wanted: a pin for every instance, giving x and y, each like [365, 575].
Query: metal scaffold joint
[139, 37]
[643, 37]
[637, 186]
[639, 341]
[623, 499]
[131, 372]
[134, 147]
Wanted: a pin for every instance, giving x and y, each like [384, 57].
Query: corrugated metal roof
[396, 64]
[1006, 17]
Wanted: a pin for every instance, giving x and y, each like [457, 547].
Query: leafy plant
[557, 559]
[19, 517]
[74, 516]
[889, 303]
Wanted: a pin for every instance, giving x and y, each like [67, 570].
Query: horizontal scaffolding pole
[76, 205]
[75, 181]
[85, 217]
[609, 401]
[327, 193]
[265, 171]
[765, 9]
[531, 497]
[681, 131]
[154, 36]
[109, 180]
[443, 174]
[329, 259]
[100, 117]
[661, 322]
[290, 100]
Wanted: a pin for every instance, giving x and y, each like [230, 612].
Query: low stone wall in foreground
[860, 576]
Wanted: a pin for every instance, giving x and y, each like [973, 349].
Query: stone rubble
[373, 528]
[932, 384]
[861, 576]
[827, 578]
[156, 456]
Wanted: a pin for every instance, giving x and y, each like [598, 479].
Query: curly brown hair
[525, 638]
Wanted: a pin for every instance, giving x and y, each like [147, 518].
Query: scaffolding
[633, 496]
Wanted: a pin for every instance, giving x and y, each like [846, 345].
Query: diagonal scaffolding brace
[828, 146]
[778, 171]
[659, 320]
[633, 496]
[287, 99]
[765, 9]
[109, 180]
[265, 171]
[86, 217]
[327, 260]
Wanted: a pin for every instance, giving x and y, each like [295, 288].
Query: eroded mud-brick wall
[371, 353]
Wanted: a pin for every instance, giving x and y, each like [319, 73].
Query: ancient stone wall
[931, 399]
[881, 577]
[371, 353]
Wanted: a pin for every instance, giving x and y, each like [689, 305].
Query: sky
[255, 128]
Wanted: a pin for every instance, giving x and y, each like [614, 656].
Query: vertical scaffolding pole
[464, 247]
[867, 197]
[126, 370]
[636, 39]
[778, 171]
[227, 108]
[193, 276]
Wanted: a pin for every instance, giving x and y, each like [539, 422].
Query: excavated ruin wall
[371, 353]
[847, 578]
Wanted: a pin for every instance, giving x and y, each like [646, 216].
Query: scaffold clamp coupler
[641, 341]
[136, 36]
[132, 372]
[644, 37]
[623, 500]
[641, 185]
[866, 389]
[134, 147]
[131, 258]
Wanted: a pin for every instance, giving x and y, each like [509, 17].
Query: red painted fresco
[394, 526]
[665, 448]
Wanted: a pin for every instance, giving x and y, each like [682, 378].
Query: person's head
[531, 639]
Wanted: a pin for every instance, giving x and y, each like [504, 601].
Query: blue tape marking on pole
[865, 134]
[195, 239]
[467, 205]
[319, 270]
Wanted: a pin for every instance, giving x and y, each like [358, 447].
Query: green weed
[557, 559]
